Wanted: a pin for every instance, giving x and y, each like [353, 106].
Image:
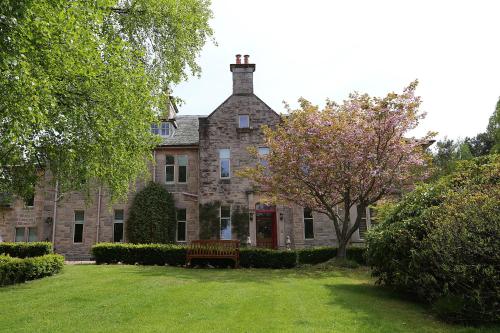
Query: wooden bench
[214, 249]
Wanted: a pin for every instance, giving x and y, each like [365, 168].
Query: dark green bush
[315, 255]
[17, 270]
[442, 243]
[25, 250]
[265, 258]
[152, 216]
[143, 254]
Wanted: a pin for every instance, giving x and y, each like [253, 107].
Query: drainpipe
[56, 194]
[98, 225]
[154, 166]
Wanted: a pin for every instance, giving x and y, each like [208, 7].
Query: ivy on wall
[210, 221]
[240, 219]
[152, 216]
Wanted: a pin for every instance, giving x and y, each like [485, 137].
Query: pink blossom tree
[348, 155]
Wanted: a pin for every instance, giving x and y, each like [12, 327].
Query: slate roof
[186, 133]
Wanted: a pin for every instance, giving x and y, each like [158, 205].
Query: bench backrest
[214, 247]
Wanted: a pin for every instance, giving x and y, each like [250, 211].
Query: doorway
[266, 226]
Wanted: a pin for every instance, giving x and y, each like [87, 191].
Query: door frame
[274, 229]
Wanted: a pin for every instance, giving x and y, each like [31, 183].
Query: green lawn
[89, 298]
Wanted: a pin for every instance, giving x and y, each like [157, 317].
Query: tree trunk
[341, 251]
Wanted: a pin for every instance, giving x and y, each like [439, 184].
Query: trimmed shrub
[152, 216]
[315, 255]
[26, 250]
[265, 258]
[442, 243]
[142, 254]
[17, 270]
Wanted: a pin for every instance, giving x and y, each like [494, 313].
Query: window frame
[35, 229]
[221, 159]
[165, 125]
[365, 218]
[15, 234]
[177, 225]
[229, 222]
[155, 129]
[173, 169]
[178, 157]
[78, 222]
[309, 219]
[118, 221]
[245, 116]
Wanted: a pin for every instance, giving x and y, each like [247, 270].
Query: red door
[266, 228]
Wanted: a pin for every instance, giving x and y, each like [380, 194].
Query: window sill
[244, 129]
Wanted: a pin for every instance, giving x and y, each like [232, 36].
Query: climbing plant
[209, 220]
[240, 221]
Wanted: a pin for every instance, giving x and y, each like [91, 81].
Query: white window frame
[228, 164]
[170, 165]
[177, 227]
[155, 129]
[247, 118]
[165, 125]
[177, 157]
[118, 221]
[304, 223]
[229, 223]
[75, 222]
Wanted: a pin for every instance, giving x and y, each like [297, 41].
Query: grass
[119, 298]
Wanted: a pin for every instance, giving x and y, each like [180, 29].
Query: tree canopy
[343, 155]
[82, 81]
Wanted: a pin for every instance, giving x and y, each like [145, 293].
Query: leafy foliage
[82, 81]
[442, 243]
[344, 155]
[209, 220]
[317, 255]
[143, 254]
[25, 250]
[17, 270]
[152, 217]
[240, 222]
[266, 258]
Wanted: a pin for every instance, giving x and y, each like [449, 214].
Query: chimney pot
[246, 58]
[238, 58]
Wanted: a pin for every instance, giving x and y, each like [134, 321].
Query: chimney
[242, 75]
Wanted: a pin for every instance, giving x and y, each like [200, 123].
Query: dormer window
[163, 130]
[243, 121]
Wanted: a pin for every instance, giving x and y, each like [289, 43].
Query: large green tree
[81, 82]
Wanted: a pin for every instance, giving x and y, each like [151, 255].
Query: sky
[327, 49]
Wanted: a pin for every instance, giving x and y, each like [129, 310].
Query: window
[225, 222]
[78, 229]
[362, 225]
[20, 234]
[165, 128]
[154, 129]
[181, 225]
[263, 152]
[182, 168]
[32, 236]
[118, 226]
[169, 169]
[308, 224]
[243, 121]
[225, 163]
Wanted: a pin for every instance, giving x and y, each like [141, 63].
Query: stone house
[196, 161]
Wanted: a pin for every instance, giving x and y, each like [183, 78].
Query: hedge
[317, 255]
[266, 258]
[17, 270]
[143, 254]
[26, 250]
[175, 255]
